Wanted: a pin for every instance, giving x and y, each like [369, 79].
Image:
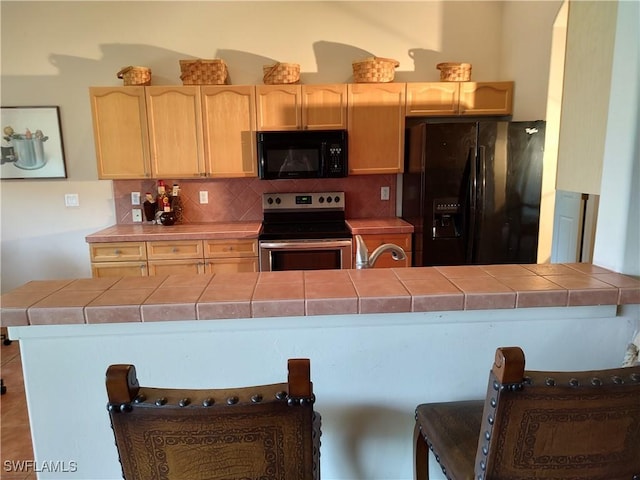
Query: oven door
[278, 255]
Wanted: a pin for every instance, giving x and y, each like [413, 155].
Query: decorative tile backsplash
[240, 199]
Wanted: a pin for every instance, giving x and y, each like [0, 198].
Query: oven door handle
[305, 245]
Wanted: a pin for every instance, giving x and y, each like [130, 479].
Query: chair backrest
[267, 431]
[559, 425]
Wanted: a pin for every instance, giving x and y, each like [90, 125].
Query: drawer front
[119, 269]
[174, 250]
[117, 251]
[230, 248]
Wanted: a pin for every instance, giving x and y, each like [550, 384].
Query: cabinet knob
[117, 251]
[175, 250]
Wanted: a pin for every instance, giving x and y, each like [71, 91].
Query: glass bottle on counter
[150, 207]
[164, 204]
[176, 203]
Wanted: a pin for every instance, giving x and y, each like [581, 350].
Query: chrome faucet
[363, 260]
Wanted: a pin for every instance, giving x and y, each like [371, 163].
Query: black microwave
[302, 154]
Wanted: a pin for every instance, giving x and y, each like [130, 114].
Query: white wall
[526, 54]
[617, 244]
[80, 44]
[587, 85]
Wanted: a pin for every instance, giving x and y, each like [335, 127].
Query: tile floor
[15, 447]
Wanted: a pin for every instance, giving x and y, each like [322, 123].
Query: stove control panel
[300, 201]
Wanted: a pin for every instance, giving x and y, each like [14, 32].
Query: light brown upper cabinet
[432, 98]
[459, 98]
[174, 116]
[278, 107]
[301, 107]
[376, 127]
[174, 131]
[324, 107]
[229, 125]
[486, 98]
[120, 132]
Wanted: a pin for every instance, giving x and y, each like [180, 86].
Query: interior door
[567, 224]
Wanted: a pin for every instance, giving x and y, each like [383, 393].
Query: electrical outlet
[71, 200]
[135, 198]
[384, 193]
[136, 214]
[204, 196]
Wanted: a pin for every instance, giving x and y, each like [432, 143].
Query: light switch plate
[71, 200]
[136, 215]
[135, 198]
[204, 196]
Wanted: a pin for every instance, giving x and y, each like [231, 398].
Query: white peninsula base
[369, 373]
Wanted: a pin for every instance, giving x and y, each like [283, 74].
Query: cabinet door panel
[120, 132]
[432, 99]
[278, 107]
[175, 131]
[229, 124]
[233, 265]
[324, 107]
[487, 98]
[176, 267]
[376, 128]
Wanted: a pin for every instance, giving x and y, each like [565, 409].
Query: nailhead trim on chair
[207, 402]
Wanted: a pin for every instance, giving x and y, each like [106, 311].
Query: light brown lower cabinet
[118, 259]
[373, 241]
[231, 256]
[173, 257]
[176, 257]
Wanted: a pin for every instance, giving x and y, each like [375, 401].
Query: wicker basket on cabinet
[281, 73]
[133, 75]
[203, 72]
[454, 72]
[374, 70]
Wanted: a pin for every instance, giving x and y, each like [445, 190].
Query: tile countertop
[318, 292]
[190, 231]
[227, 230]
[363, 226]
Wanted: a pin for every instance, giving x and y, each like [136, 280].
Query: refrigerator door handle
[473, 204]
[482, 174]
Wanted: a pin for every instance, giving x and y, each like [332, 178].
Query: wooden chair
[542, 425]
[267, 431]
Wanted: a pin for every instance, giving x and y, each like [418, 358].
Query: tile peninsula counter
[380, 341]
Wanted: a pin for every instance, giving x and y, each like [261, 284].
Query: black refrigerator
[472, 190]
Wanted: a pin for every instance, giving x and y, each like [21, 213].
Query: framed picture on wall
[31, 143]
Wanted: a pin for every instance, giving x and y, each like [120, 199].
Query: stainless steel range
[304, 231]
